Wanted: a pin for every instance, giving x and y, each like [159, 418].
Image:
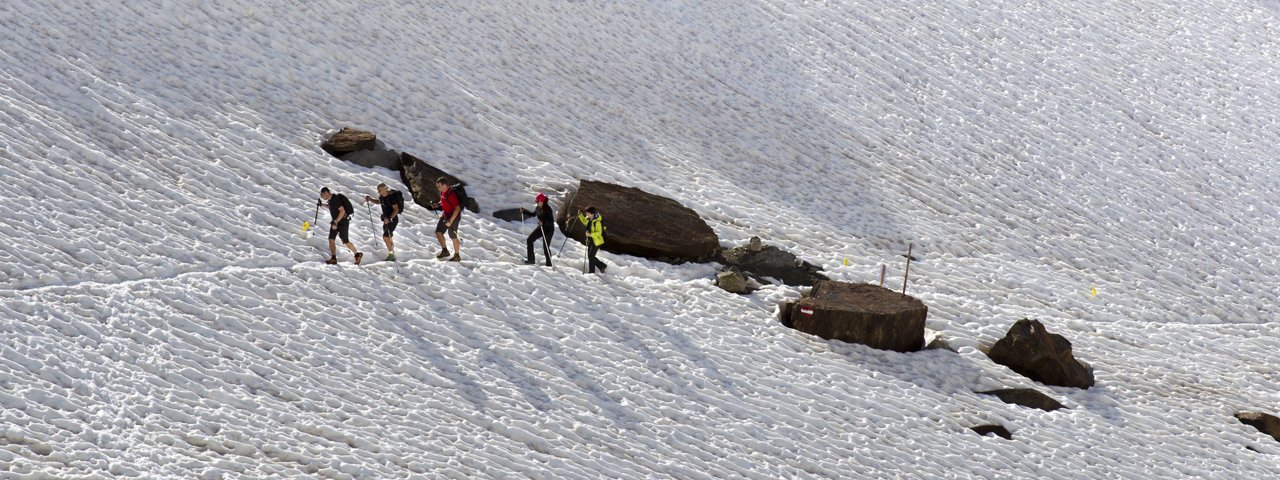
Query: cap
[540, 198]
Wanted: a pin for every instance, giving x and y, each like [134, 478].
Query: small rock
[1026, 397]
[993, 429]
[732, 282]
[1029, 349]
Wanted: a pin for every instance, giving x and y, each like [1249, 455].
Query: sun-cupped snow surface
[165, 316]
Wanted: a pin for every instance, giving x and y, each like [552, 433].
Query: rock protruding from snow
[509, 215]
[421, 177]
[767, 261]
[640, 223]
[996, 430]
[1031, 350]
[349, 140]
[374, 158]
[1027, 397]
[732, 282]
[1265, 423]
[859, 313]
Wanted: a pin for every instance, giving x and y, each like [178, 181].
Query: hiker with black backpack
[546, 228]
[392, 202]
[450, 206]
[594, 237]
[340, 210]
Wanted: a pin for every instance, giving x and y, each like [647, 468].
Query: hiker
[594, 237]
[546, 228]
[392, 202]
[340, 210]
[451, 213]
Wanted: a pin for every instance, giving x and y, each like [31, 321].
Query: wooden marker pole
[907, 272]
[883, 268]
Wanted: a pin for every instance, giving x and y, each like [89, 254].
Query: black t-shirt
[340, 201]
[544, 214]
[391, 200]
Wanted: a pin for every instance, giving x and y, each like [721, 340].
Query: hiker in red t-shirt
[451, 214]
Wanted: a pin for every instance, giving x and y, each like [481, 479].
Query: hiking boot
[332, 261]
[391, 257]
[444, 253]
[603, 268]
[529, 262]
[455, 258]
[360, 255]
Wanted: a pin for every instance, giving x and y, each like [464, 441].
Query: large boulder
[1265, 423]
[640, 223]
[349, 140]
[1045, 357]
[768, 261]
[421, 177]
[859, 313]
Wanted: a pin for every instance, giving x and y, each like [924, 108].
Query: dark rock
[641, 224]
[349, 140]
[763, 262]
[509, 215]
[732, 282]
[421, 177]
[374, 158]
[859, 313]
[1026, 397]
[939, 343]
[1265, 423]
[993, 429]
[1045, 357]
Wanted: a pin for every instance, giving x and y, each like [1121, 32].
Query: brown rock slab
[349, 140]
[1265, 423]
[859, 313]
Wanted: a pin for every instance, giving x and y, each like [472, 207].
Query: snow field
[166, 318]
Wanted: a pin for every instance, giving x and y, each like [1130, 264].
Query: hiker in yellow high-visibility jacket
[594, 238]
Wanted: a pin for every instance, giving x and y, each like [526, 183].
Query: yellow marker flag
[1094, 291]
[846, 262]
[306, 226]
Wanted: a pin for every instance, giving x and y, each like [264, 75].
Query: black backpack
[460, 190]
[398, 198]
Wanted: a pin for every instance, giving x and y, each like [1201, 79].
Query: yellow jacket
[594, 229]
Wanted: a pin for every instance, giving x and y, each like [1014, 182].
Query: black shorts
[341, 230]
[452, 229]
[389, 228]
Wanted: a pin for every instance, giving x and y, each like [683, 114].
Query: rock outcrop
[859, 313]
[640, 223]
[762, 262]
[1031, 350]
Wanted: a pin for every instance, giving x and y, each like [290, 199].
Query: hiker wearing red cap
[545, 231]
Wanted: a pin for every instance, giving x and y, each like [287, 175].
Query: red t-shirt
[448, 202]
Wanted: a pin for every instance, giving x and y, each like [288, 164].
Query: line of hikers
[450, 207]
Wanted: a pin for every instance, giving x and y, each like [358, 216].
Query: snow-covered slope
[165, 317]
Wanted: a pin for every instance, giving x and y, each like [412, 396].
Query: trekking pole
[369, 208]
[316, 218]
[547, 246]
